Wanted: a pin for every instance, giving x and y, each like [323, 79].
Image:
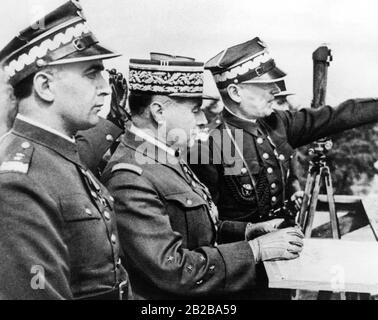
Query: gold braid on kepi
[164, 74]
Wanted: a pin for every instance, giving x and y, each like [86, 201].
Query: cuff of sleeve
[231, 231]
[240, 266]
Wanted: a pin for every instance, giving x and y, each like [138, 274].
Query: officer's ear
[156, 109]
[233, 92]
[42, 85]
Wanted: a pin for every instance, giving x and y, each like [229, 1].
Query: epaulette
[18, 160]
[127, 167]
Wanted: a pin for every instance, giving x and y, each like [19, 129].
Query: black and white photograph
[190, 154]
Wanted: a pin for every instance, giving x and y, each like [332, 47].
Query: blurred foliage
[351, 158]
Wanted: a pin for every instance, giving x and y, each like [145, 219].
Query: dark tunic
[173, 246]
[248, 187]
[56, 218]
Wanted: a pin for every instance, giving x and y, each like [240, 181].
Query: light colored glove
[254, 230]
[284, 244]
[297, 199]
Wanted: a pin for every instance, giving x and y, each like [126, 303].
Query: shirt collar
[2, 137]
[153, 140]
[44, 127]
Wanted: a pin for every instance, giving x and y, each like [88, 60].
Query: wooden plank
[370, 205]
[342, 199]
[348, 223]
[328, 265]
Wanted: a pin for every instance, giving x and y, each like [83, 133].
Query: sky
[292, 29]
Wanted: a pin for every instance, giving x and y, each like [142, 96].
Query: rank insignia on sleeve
[14, 166]
[18, 159]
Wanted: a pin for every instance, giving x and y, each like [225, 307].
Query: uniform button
[247, 186]
[41, 63]
[190, 268]
[260, 140]
[113, 239]
[243, 170]
[270, 170]
[202, 258]
[212, 268]
[25, 145]
[274, 199]
[199, 282]
[218, 121]
[111, 198]
[88, 212]
[205, 196]
[107, 215]
[266, 156]
[170, 258]
[281, 157]
[194, 184]
[118, 264]
[273, 186]
[109, 138]
[189, 202]
[94, 194]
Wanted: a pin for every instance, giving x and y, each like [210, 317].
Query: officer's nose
[103, 87]
[201, 118]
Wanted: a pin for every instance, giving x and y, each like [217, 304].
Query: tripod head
[318, 152]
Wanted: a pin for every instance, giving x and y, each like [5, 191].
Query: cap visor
[273, 75]
[192, 95]
[284, 94]
[95, 52]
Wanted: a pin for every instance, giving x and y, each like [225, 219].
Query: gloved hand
[254, 230]
[118, 114]
[284, 244]
[297, 199]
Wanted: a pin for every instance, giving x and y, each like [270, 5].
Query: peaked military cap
[248, 62]
[62, 36]
[174, 76]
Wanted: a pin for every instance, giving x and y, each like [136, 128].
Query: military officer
[58, 236]
[173, 242]
[252, 184]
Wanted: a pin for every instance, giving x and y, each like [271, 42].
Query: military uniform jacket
[167, 230]
[96, 144]
[58, 237]
[267, 149]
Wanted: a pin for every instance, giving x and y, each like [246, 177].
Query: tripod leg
[313, 203]
[331, 204]
[303, 214]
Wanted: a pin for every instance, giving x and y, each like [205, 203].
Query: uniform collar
[67, 148]
[44, 127]
[250, 126]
